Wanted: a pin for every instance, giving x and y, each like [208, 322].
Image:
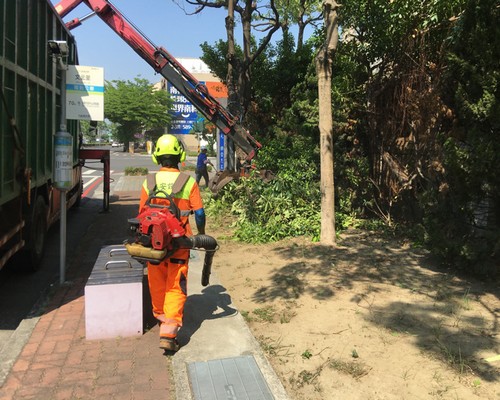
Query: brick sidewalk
[59, 363]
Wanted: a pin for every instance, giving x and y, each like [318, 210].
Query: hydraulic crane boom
[166, 65]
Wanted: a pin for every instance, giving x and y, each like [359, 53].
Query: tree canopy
[135, 106]
[415, 104]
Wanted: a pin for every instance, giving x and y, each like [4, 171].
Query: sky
[162, 21]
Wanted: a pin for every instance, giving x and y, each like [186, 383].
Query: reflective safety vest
[185, 198]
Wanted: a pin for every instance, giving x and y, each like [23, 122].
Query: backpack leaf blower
[158, 232]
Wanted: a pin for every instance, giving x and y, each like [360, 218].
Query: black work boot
[169, 344]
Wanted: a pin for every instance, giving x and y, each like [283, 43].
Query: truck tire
[35, 236]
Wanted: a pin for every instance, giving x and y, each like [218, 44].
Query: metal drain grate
[236, 378]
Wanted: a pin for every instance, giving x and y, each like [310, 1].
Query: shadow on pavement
[213, 303]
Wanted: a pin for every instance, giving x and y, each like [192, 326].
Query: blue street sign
[221, 151]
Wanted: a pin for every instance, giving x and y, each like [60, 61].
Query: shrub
[135, 171]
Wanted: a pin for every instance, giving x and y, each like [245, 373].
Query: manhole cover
[236, 378]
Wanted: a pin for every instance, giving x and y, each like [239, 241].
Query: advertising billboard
[184, 114]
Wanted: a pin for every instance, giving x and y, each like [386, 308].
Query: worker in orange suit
[168, 280]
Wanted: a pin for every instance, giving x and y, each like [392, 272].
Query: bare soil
[372, 318]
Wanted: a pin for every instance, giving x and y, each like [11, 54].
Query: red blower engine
[158, 233]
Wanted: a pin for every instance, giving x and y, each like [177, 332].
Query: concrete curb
[215, 337]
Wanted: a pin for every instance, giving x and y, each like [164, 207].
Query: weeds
[288, 313]
[476, 383]
[355, 369]
[273, 347]
[454, 358]
[466, 300]
[246, 316]
[286, 316]
[265, 314]
[306, 355]
[307, 378]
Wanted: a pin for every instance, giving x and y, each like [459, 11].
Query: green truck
[30, 116]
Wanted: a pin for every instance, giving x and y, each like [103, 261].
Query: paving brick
[7, 393]
[75, 357]
[28, 392]
[160, 383]
[104, 391]
[76, 376]
[32, 377]
[124, 366]
[51, 360]
[51, 376]
[10, 386]
[122, 391]
[46, 347]
[29, 350]
[158, 394]
[63, 393]
[142, 378]
[60, 334]
[91, 355]
[21, 365]
[37, 336]
[83, 391]
[142, 387]
[116, 356]
[112, 380]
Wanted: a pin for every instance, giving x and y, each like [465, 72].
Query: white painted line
[90, 181]
[93, 171]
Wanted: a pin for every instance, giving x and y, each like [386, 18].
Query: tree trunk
[232, 86]
[324, 64]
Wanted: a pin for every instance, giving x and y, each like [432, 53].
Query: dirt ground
[371, 318]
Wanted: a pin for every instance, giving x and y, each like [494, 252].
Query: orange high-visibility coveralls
[168, 280]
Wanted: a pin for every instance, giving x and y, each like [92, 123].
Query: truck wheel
[36, 235]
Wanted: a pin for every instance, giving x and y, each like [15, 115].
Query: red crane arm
[166, 65]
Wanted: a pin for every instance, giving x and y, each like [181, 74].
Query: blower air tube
[210, 245]
[204, 242]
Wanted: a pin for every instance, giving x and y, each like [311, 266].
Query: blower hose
[204, 242]
[198, 242]
[210, 245]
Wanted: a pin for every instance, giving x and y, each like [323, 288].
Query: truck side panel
[30, 89]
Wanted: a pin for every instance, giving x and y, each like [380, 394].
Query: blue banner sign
[184, 114]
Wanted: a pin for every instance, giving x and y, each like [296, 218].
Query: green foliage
[215, 57]
[136, 171]
[463, 218]
[278, 74]
[90, 132]
[287, 206]
[413, 82]
[135, 107]
[275, 73]
[273, 211]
